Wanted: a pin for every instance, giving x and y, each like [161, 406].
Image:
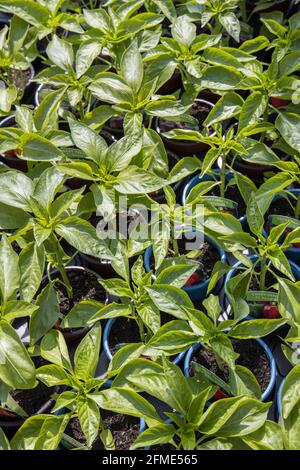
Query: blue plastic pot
[196, 291]
[106, 334]
[196, 180]
[292, 254]
[266, 394]
[233, 272]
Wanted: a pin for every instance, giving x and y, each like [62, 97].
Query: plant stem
[62, 270]
[223, 176]
[263, 271]
[175, 246]
[265, 117]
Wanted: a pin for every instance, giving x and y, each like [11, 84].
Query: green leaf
[254, 216]
[87, 52]
[288, 125]
[91, 143]
[170, 299]
[53, 375]
[236, 416]
[83, 236]
[256, 328]
[16, 368]
[134, 180]
[183, 30]
[156, 435]
[47, 186]
[40, 432]
[24, 118]
[54, 349]
[16, 190]
[87, 353]
[4, 443]
[231, 24]
[253, 108]
[254, 45]
[32, 265]
[110, 88]
[9, 270]
[228, 106]
[274, 27]
[16, 309]
[47, 314]
[60, 52]
[45, 116]
[37, 148]
[243, 382]
[220, 78]
[124, 401]
[89, 418]
[217, 56]
[290, 396]
[132, 69]
[11, 217]
[178, 386]
[268, 437]
[30, 11]
[81, 314]
[176, 275]
[121, 152]
[80, 170]
[289, 300]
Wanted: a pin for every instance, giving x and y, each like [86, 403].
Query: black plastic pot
[183, 147]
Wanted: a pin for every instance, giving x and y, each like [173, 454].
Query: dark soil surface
[21, 78]
[33, 400]
[125, 430]
[252, 356]
[85, 287]
[124, 330]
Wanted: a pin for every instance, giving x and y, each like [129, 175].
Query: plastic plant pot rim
[196, 180]
[106, 334]
[201, 285]
[266, 349]
[293, 250]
